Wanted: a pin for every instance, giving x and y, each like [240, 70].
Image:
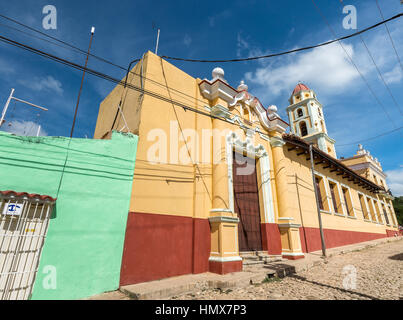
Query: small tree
[398, 206]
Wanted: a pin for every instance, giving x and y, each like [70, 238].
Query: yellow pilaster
[289, 231]
[223, 221]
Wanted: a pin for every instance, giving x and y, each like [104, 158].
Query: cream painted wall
[302, 198]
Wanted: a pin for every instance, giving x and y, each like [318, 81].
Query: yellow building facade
[217, 175]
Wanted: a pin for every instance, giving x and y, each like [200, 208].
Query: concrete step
[248, 262]
[250, 257]
[270, 258]
[247, 253]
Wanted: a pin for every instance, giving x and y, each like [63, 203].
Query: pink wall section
[161, 246]
[310, 238]
[271, 241]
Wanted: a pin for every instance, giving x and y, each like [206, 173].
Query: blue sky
[216, 29]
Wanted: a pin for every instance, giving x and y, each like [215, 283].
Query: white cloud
[219, 16]
[245, 49]
[5, 67]
[395, 181]
[187, 40]
[23, 128]
[241, 45]
[324, 68]
[43, 84]
[393, 76]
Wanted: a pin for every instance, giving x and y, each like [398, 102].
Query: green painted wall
[86, 233]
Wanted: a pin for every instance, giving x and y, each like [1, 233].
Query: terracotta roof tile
[299, 87]
[26, 194]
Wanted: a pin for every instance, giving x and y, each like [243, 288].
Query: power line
[58, 40]
[372, 138]
[36, 37]
[379, 72]
[78, 50]
[289, 51]
[380, 75]
[390, 36]
[353, 63]
[114, 80]
[218, 60]
[102, 75]
[183, 135]
[162, 85]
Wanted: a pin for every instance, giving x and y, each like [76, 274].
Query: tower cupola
[307, 120]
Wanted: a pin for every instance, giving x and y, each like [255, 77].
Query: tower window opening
[320, 113]
[303, 129]
[300, 113]
[323, 126]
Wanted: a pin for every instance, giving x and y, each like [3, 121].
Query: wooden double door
[246, 203]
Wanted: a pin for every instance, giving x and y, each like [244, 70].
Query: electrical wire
[77, 50]
[219, 60]
[380, 75]
[379, 71]
[353, 63]
[103, 76]
[183, 135]
[108, 78]
[167, 57]
[390, 36]
[372, 138]
[289, 51]
[61, 41]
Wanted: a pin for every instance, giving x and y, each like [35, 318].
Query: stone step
[270, 258]
[250, 258]
[248, 262]
[247, 253]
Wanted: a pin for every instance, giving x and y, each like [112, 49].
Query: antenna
[82, 81]
[158, 37]
[158, 40]
[11, 97]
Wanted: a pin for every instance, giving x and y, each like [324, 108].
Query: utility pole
[82, 81]
[11, 97]
[322, 237]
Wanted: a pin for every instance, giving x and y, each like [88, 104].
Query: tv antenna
[158, 38]
[11, 97]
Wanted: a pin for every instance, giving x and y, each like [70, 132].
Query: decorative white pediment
[217, 89]
[269, 119]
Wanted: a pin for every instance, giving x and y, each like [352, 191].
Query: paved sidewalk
[187, 285]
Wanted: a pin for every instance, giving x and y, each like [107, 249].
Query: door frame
[243, 240]
[235, 143]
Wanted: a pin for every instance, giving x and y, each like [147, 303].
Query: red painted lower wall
[392, 233]
[225, 267]
[160, 246]
[310, 238]
[271, 240]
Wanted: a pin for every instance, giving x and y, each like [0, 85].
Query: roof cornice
[332, 163]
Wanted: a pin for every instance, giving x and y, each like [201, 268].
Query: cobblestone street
[379, 275]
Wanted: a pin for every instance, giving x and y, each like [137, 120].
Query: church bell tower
[307, 120]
